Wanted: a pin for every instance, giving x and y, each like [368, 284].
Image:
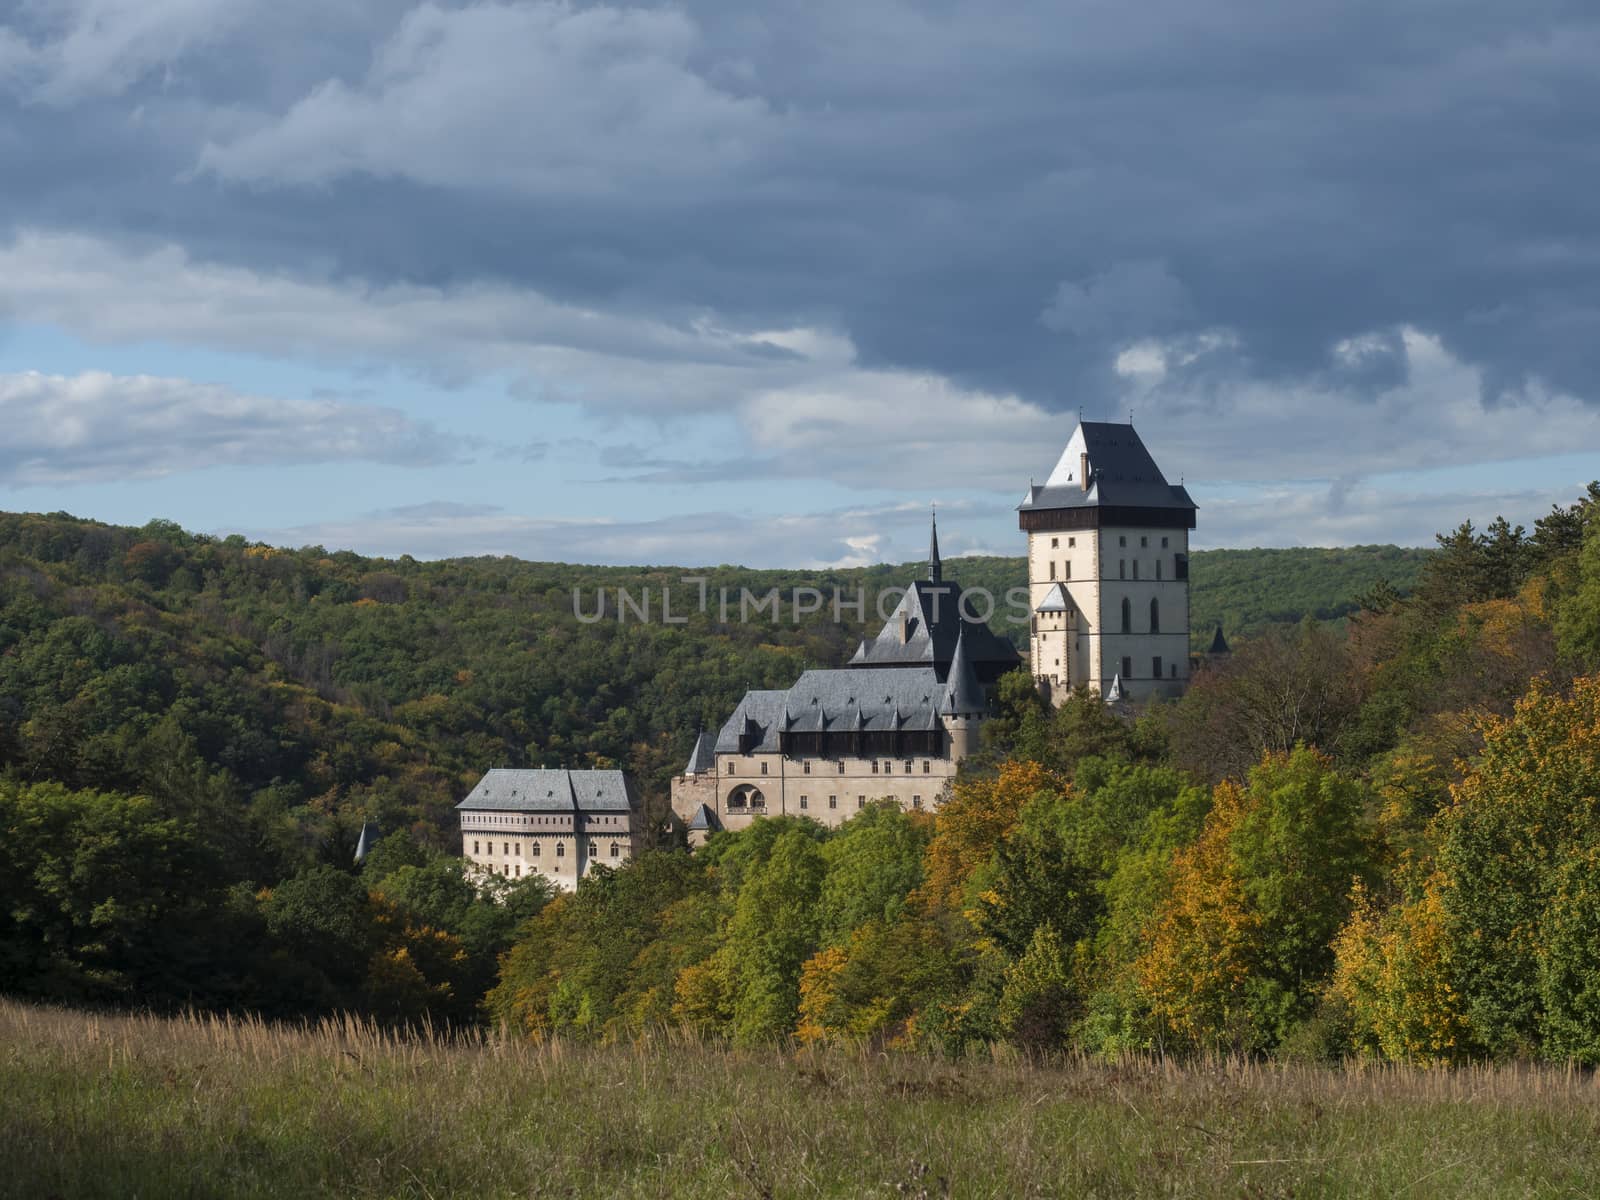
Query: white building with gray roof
[891, 724]
[1108, 570]
[556, 823]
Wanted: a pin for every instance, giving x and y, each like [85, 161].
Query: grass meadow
[138, 1106]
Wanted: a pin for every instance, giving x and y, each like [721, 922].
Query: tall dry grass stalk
[100, 1104]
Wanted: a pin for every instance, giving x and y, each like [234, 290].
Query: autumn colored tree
[1514, 853]
[970, 825]
[1241, 944]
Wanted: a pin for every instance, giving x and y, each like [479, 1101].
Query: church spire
[935, 567]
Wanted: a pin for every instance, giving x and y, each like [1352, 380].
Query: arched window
[561, 849]
[1127, 615]
[1155, 615]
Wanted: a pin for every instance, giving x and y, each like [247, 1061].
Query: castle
[1108, 583]
[1108, 586]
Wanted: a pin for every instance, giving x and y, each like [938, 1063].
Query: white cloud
[96, 427]
[841, 537]
[540, 98]
[555, 351]
[101, 47]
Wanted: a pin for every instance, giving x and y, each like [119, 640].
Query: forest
[1371, 830]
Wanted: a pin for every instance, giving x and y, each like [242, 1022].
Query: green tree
[774, 929]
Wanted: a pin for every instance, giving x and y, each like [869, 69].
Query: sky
[720, 282]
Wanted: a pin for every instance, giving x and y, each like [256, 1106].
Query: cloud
[542, 99]
[838, 537]
[1126, 301]
[91, 48]
[97, 427]
[890, 245]
[555, 351]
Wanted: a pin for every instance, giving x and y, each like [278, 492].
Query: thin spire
[935, 567]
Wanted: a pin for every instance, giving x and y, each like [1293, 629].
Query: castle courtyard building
[893, 723]
[556, 823]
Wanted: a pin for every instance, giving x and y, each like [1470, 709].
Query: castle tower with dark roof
[1108, 569]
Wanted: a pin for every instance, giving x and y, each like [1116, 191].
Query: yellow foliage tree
[979, 813]
[1203, 938]
[1392, 970]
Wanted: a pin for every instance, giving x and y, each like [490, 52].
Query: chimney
[1083, 469]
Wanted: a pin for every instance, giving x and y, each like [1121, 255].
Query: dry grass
[131, 1106]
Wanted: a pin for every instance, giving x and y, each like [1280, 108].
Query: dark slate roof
[1055, 600]
[844, 700]
[936, 622]
[703, 757]
[1219, 644]
[704, 819]
[1121, 474]
[963, 696]
[758, 714]
[504, 790]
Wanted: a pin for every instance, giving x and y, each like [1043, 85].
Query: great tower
[1108, 570]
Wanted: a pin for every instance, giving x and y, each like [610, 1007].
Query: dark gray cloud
[1004, 196]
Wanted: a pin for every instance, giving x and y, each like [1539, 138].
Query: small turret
[963, 706]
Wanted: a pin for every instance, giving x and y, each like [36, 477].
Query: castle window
[1158, 568]
[1052, 570]
[1144, 541]
[519, 870]
[730, 766]
[519, 849]
[1155, 667]
[916, 802]
[1136, 568]
[507, 849]
[804, 803]
[861, 801]
[841, 766]
[1122, 568]
[1054, 542]
[1163, 543]
[833, 802]
[488, 848]
[1071, 542]
[561, 849]
[1066, 569]
[535, 853]
[1122, 541]
[763, 768]
[908, 766]
[475, 849]
[807, 768]
[1127, 667]
[1174, 670]
[1155, 617]
[927, 766]
[615, 850]
[874, 766]
[1127, 615]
